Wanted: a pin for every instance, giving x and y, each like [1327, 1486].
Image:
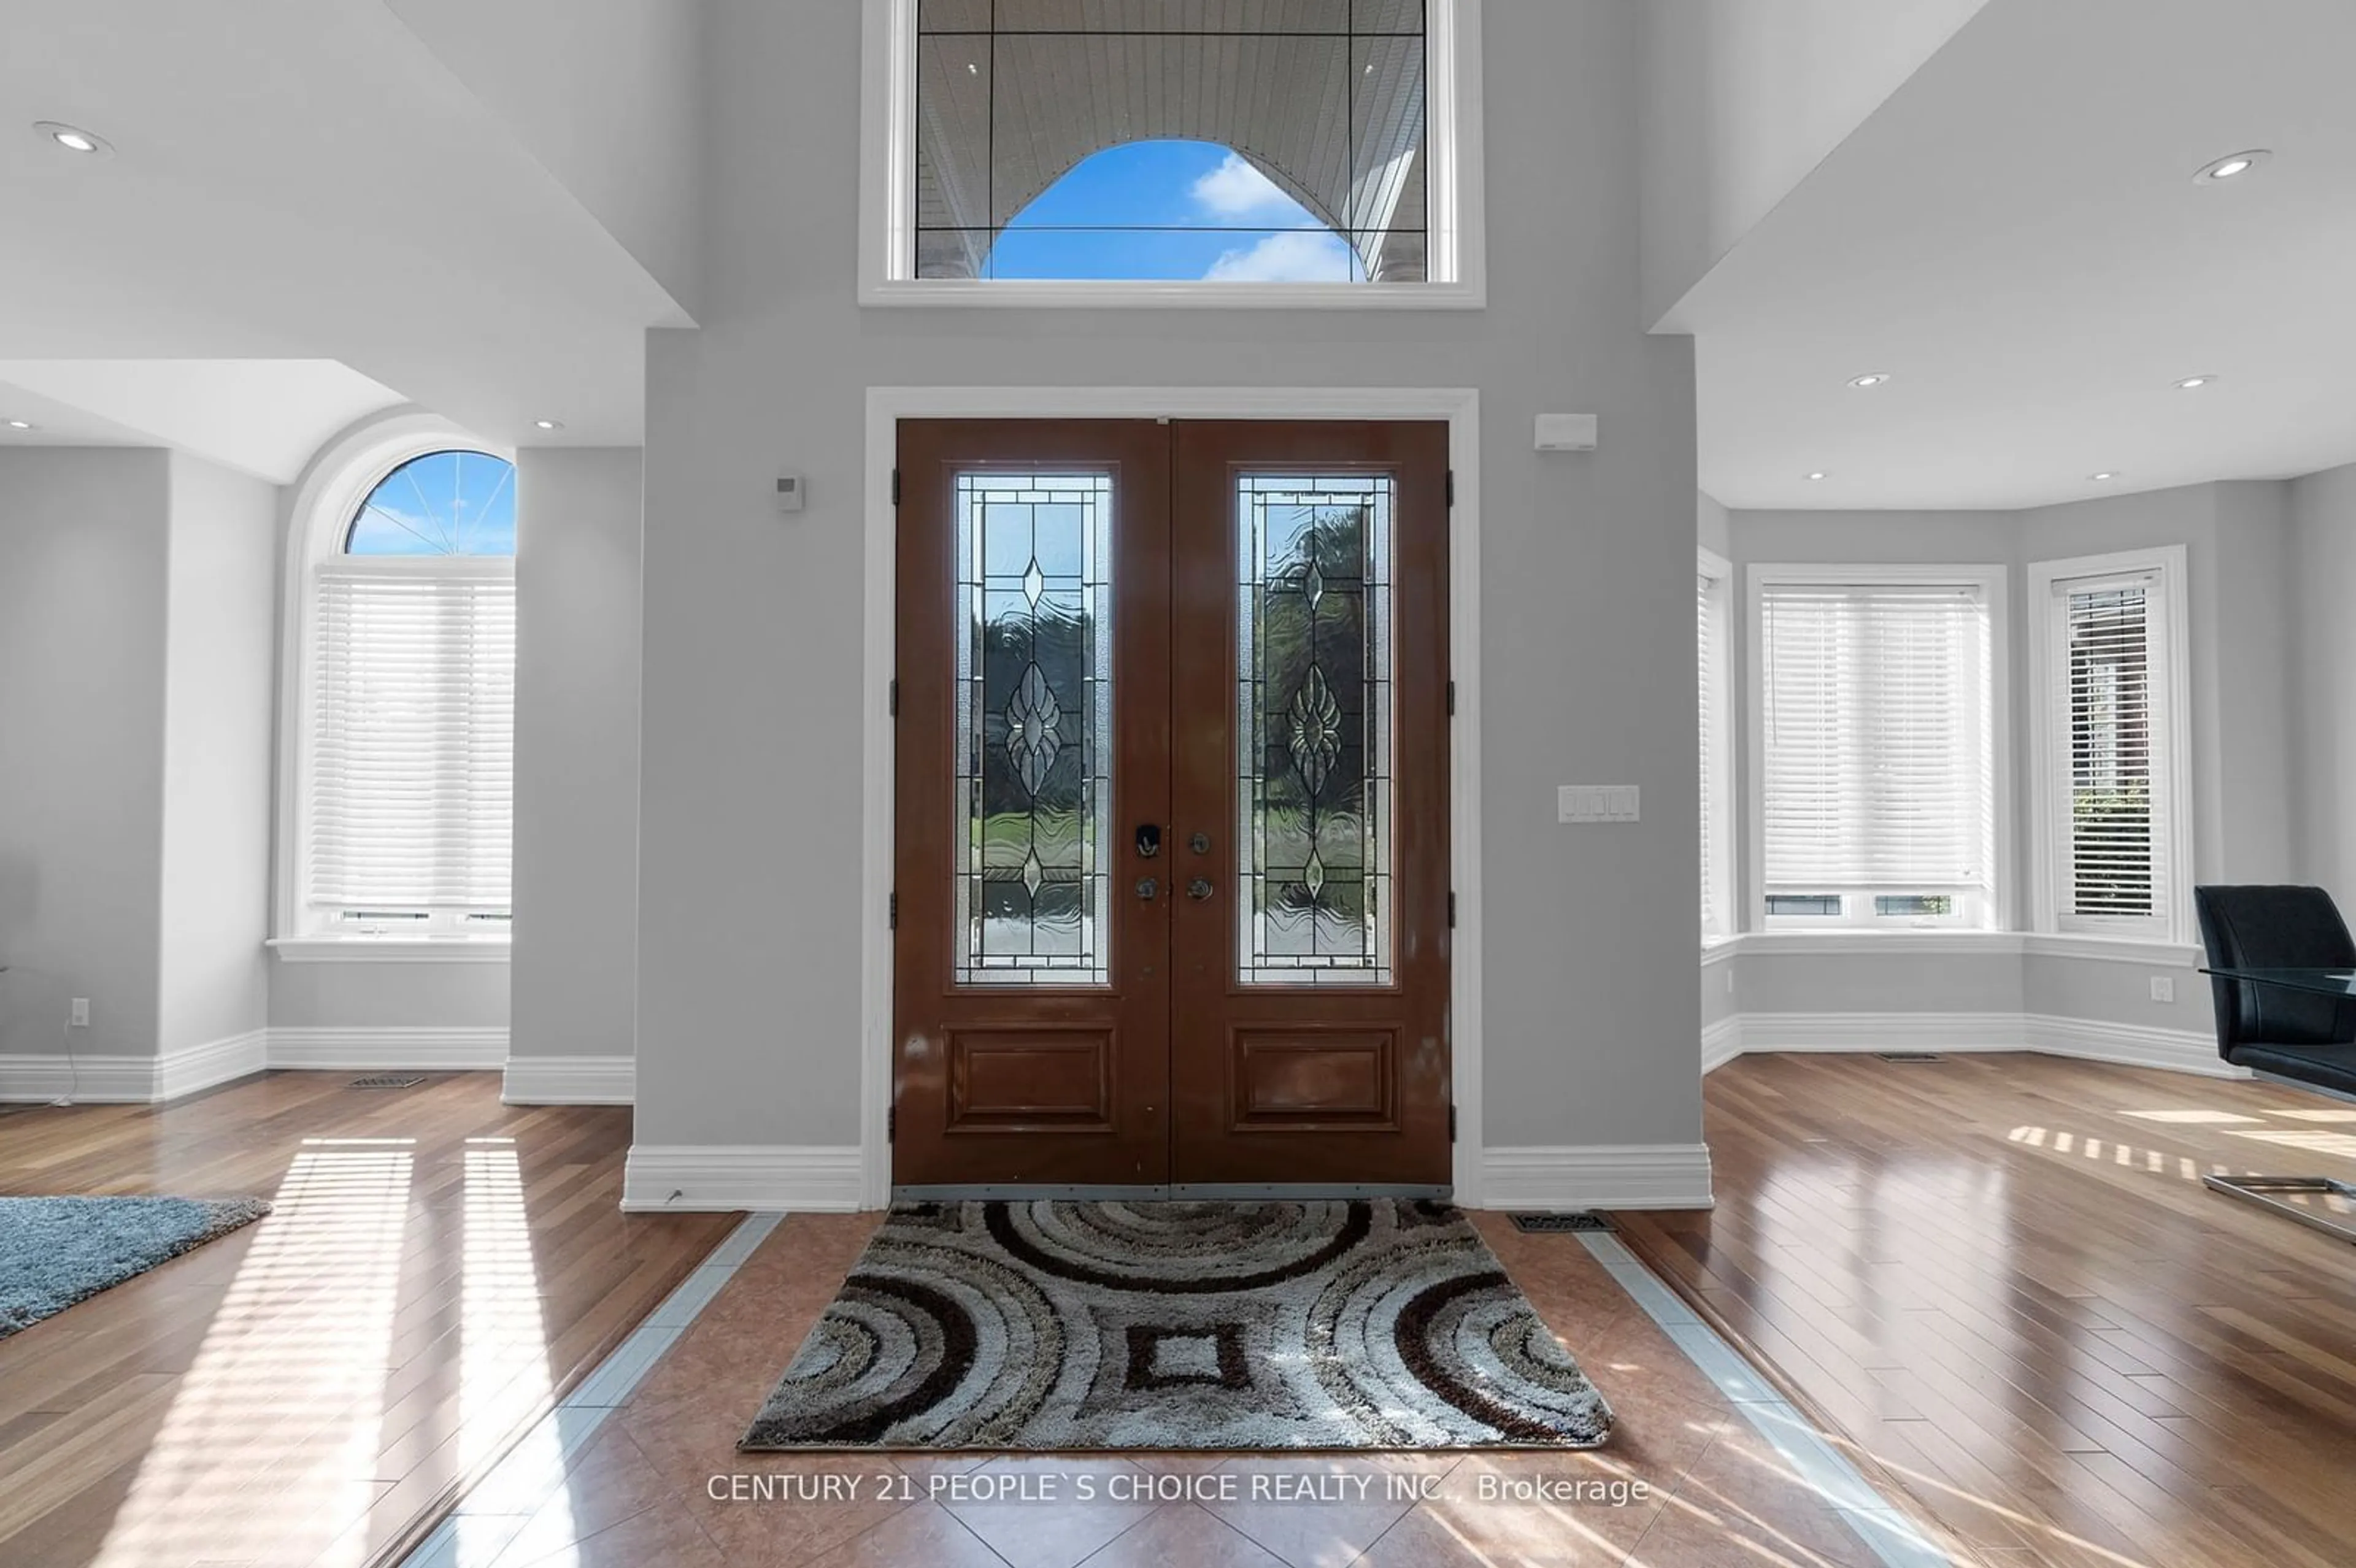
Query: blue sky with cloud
[1208, 215]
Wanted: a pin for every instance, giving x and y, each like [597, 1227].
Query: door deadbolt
[1200, 843]
[1146, 888]
[1199, 888]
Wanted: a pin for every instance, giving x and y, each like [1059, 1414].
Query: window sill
[390, 949]
[2150, 953]
[1032, 294]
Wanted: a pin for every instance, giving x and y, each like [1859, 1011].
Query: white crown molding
[810, 1178]
[1597, 1176]
[378, 1050]
[571, 1080]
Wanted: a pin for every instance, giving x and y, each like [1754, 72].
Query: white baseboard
[2084, 1039]
[1597, 1176]
[132, 1079]
[821, 1177]
[571, 1080]
[2131, 1045]
[217, 1061]
[1721, 1042]
[378, 1050]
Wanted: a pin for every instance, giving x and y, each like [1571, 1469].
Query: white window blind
[2110, 727]
[1877, 728]
[413, 737]
[1709, 656]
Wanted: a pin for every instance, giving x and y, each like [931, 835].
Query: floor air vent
[389, 1080]
[1910, 1056]
[1561, 1222]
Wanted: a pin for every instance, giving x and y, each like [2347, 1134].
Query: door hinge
[895, 698]
[1452, 1124]
[1452, 700]
[891, 1125]
[895, 912]
[1451, 909]
[896, 486]
[1452, 488]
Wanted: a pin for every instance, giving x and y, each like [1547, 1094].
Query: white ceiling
[2014, 236]
[301, 181]
[267, 417]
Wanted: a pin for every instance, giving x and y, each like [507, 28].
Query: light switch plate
[2163, 987]
[1595, 802]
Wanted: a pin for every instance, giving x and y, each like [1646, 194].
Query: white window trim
[325, 501]
[1718, 790]
[1991, 579]
[2049, 789]
[1455, 195]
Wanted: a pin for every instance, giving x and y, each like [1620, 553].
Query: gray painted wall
[2323, 527]
[220, 582]
[81, 745]
[574, 977]
[749, 1019]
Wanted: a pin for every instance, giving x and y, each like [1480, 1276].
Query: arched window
[403, 704]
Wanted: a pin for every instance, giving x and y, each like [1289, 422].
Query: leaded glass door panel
[1171, 813]
[1031, 979]
[1309, 1038]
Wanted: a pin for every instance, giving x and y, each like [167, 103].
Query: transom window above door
[1162, 152]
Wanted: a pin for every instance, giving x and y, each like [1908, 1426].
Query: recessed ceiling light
[2104, 477]
[971, 68]
[73, 138]
[1872, 378]
[2233, 165]
[1819, 474]
[22, 424]
[550, 424]
[2193, 383]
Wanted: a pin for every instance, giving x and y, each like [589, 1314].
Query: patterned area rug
[55, 1252]
[1065, 1326]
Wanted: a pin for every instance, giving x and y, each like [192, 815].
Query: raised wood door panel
[1309, 689]
[1031, 982]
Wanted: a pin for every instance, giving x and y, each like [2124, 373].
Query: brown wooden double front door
[1170, 893]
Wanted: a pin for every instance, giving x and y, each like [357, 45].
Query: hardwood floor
[438, 1268]
[2001, 1280]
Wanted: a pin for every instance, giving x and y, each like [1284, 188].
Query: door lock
[1146, 888]
[1200, 843]
[1199, 888]
[1148, 840]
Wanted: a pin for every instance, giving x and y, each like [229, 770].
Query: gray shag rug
[1062, 1326]
[55, 1252]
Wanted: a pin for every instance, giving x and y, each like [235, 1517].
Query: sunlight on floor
[2342, 1145]
[268, 1451]
[503, 1379]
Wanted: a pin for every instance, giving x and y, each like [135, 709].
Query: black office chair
[2303, 1038]
[2297, 1035]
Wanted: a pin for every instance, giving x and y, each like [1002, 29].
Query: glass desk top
[2322, 982]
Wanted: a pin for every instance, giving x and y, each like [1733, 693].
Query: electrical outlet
[2163, 987]
[80, 1018]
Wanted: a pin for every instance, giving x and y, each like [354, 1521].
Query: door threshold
[1173, 1191]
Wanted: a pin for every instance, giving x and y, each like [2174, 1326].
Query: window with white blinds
[1711, 659]
[2108, 745]
[404, 709]
[412, 740]
[1877, 765]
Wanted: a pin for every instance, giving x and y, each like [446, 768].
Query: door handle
[1199, 888]
[1148, 840]
[1146, 888]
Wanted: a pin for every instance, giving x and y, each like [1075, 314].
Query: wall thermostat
[789, 492]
